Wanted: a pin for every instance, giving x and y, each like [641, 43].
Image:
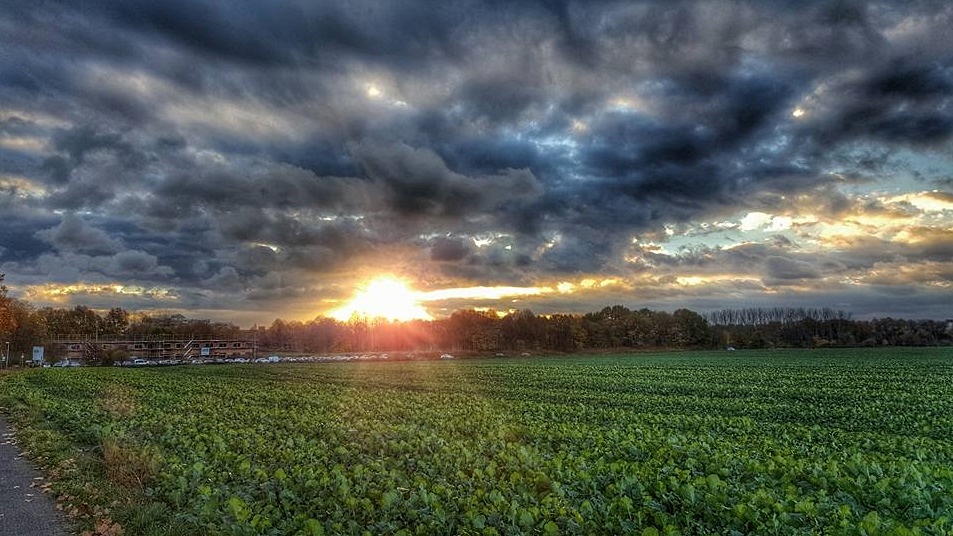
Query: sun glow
[483, 293]
[384, 297]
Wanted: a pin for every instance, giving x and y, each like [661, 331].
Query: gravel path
[25, 510]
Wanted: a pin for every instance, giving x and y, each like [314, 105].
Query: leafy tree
[692, 327]
[116, 321]
[6, 312]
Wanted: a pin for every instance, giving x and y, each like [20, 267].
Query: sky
[249, 160]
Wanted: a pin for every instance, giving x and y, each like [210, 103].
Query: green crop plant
[782, 442]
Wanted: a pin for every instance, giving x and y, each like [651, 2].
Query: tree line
[613, 327]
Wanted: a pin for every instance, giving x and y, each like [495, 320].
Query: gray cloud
[134, 264]
[226, 279]
[417, 182]
[780, 268]
[75, 234]
[448, 250]
[246, 151]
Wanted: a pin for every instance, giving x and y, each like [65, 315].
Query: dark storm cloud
[253, 34]
[904, 102]
[417, 182]
[18, 240]
[132, 266]
[79, 142]
[780, 268]
[134, 263]
[75, 234]
[242, 145]
[250, 32]
[912, 82]
[448, 250]
[226, 279]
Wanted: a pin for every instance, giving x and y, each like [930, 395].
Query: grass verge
[100, 479]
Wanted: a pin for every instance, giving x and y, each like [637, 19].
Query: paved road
[24, 509]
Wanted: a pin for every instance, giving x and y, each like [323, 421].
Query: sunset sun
[384, 297]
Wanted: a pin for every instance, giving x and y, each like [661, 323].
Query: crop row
[786, 443]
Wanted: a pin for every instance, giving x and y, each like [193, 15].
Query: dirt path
[24, 509]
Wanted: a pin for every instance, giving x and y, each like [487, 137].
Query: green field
[777, 442]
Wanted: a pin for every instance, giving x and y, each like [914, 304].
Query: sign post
[37, 355]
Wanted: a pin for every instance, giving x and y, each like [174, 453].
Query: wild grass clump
[118, 400]
[128, 465]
